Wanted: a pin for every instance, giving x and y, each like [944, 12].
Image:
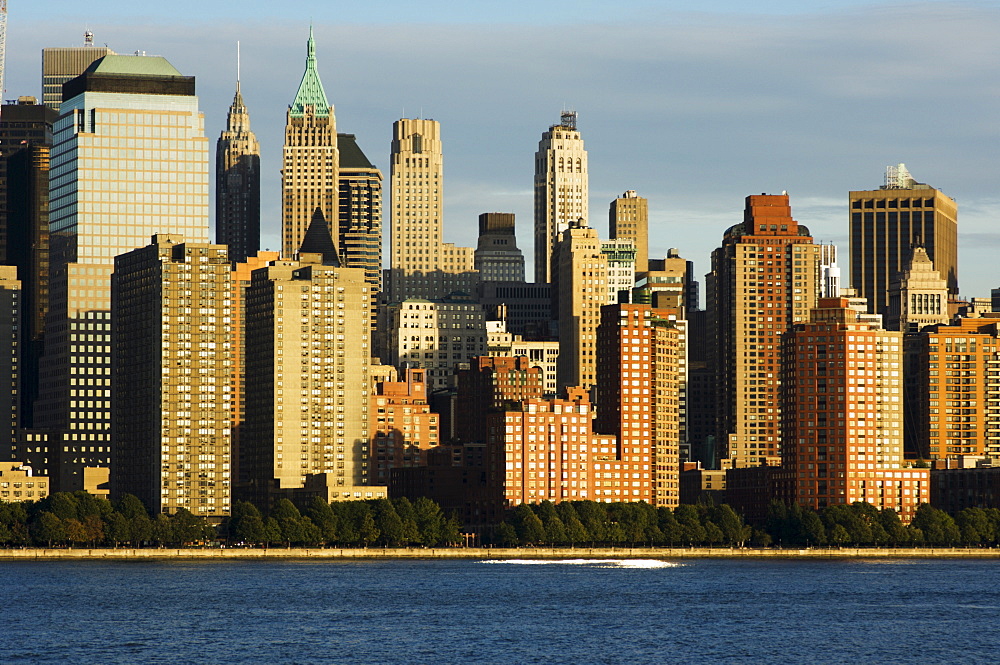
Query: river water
[467, 611]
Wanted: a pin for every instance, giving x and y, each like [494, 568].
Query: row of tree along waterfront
[83, 520]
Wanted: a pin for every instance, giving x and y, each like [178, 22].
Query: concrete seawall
[496, 553]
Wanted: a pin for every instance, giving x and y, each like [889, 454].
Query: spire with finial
[310, 94]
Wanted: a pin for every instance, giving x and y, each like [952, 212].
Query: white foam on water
[597, 563]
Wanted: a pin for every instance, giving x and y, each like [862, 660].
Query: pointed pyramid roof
[310, 91]
[319, 240]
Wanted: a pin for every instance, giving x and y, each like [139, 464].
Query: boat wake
[594, 563]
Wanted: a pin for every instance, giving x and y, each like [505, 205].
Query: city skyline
[791, 102]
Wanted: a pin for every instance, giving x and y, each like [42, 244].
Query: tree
[48, 529]
[734, 532]
[246, 524]
[189, 528]
[430, 521]
[131, 507]
[368, 531]
[937, 527]
[505, 535]
[324, 518]
[812, 528]
[529, 528]
[692, 529]
[118, 530]
[76, 533]
[390, 526]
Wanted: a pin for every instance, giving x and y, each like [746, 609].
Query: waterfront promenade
[497, 553]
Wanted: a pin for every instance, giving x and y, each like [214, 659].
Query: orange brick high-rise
[763, 280]
[842, 412]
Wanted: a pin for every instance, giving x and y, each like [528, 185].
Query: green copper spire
[310, 88]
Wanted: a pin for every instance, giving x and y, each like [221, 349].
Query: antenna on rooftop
[3, 39]
[237, 65]
[568, 119]
[88, 38]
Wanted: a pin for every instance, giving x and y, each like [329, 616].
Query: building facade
[61, 64]
[497, 257]
[842, 414]
[310, 159]
[107, 198]
[493, 383]
[638, 400]
[10, 360]
[237, 184]
[403, 427]
[763, 280]
[628, 219]
[561, 189]
[307, 400]
[579, 290]
[436, 335]
[171, 367]
[360, 224]
[918, 296]
[887, 223]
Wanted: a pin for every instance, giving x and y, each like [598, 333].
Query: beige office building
[172, 367]
[628, 219]
[579, 290]
[308, 388]
[310, 159]
[129, 161]
[887, 223]
[561, 189]
[422, 265]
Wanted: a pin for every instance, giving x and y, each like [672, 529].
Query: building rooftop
[136, 65]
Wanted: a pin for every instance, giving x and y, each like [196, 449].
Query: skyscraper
[421, 264]
[310, 159]
[108, 198]
[25, 146]
[171, 422]
[561, 189]
[360, 222]
[888, 222]
[308, 356]
[763, 280]
[10, 356]
[497, 257]
[843, 430]
[640, 353]
[64, 63]
[628, 219]
[579, 290]
[237, 184]
[918, 296]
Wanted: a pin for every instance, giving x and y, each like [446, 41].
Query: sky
[693, 105]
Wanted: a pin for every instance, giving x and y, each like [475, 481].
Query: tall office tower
[763, 280]
[237, 184]
[10, 355]
[107, 198]
[416, 190]
[497, 257]
[843, 430]
[887, 223]
[360, 221]
[436, 335]
[493, 384]
[579, 290]
[561, 189]
[23, 124]
[918, 296]
[953, 387]
[308, 387]
[25, 145]
[241, 275]
[171, 419]
[526, 307]
[621, 256]
[628, 219]
[638, 400]
[310, 159]
[62, 64]
[402, 424]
